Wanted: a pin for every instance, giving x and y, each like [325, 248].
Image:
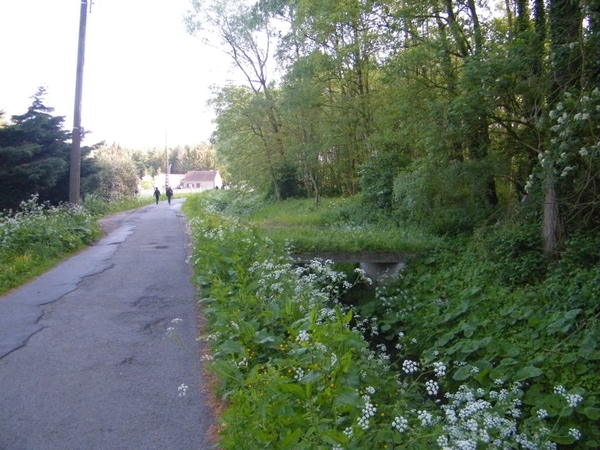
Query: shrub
[445, 200]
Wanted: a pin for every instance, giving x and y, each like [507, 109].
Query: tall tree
[246, 36]
[565, 32]
[34, 156]
[340, 39]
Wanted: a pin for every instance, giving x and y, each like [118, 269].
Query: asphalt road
[91, 356]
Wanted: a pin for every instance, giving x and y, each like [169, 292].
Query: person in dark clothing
[156, 194]
[169, 194]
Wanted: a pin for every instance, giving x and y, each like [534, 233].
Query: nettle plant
[296, 372]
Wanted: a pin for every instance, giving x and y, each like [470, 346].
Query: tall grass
[335, 225]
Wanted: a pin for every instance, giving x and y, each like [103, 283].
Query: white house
[202, 179]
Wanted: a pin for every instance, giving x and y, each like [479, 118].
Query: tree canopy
[466, 109]
[34, 156]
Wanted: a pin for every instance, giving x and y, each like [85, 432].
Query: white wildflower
[575, 433]
[303, 336]
[439, 369]
[432, 387]
[426, 418]
[400, 424]
[573, 399]
[409, 366]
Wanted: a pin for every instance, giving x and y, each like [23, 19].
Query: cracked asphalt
[91, 354]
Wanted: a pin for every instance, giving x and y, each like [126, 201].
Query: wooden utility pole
[75, 173]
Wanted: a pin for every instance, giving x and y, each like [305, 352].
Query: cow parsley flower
[575, 433]
[573, 399]
[409, 366]
[439, 369]
[400, 424]
[303, 336]
[367, 412]
[426, 418]
[432, 387]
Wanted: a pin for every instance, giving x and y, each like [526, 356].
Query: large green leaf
[527, 372]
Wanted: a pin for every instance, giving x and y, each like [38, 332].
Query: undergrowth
[449, 355]
[38, 235]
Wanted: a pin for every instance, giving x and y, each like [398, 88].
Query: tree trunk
[552, 226]
[565, 27]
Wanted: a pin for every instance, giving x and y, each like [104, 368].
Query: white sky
[146, 82]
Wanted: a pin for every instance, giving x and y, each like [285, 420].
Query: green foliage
[497, 307]
[37, 235]
[98, 206]
[347, 224]
[438, 111]
[443, 199]
[187, 158]
[575, 157]
[515, 252]
[297, 369]
[377, 176]
[34, 156]
[116, 176]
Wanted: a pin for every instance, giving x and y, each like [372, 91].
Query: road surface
[98, 352]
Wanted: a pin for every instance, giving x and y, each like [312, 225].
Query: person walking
[169, 194]
[156, 194]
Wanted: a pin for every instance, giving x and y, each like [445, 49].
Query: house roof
[201, 175]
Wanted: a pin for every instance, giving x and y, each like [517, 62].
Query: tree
[117, 174]
[34, 156]
[187, 158]
[246, 36]
[470, 106]
[242, 140]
